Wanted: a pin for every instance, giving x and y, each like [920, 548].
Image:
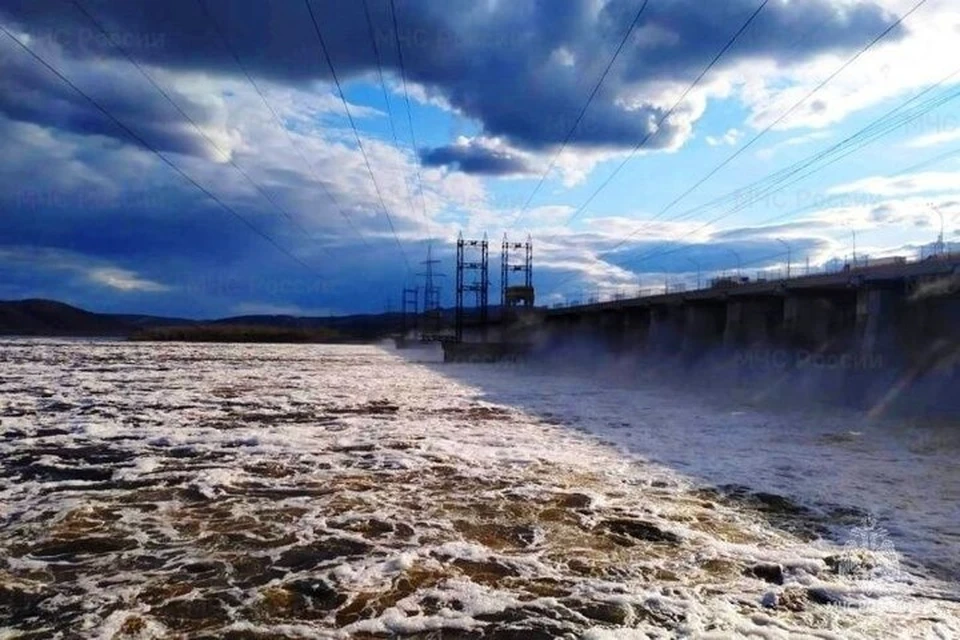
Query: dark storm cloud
[74, 214]
[53, 238]
[502, 64]
[769, 230]
[31, 93]
[475, 158]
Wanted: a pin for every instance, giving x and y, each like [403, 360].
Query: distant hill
[150, 321]
[51, 318]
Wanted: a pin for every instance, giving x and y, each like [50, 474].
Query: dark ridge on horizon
[240, 333]
[35, 317]
[38, 317]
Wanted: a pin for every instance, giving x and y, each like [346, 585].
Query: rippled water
[232, 491]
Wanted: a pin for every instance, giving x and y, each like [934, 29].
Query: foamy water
[154, 491]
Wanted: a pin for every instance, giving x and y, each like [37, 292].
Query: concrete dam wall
[886, 340]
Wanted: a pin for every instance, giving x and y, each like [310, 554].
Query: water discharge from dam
[209, 491]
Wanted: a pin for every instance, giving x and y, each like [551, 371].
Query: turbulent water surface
[231, 491]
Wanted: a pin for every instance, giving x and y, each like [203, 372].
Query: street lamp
[781, 241]
[739, 261]
[941, 248]
[697, 265]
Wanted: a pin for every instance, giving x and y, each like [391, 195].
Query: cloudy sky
[195, 158]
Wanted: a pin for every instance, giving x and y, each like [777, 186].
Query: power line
[383, 87]
[148, 146]
[792, 46]
[783, 116]
[656, 128]
[773, 189]
[789, 111]
[662, 251]
[923, 164]
[406, 98]
[186, 116]
[583, 111]
[356, 133]
[376, 53]
[276, 118]
[876, 129]
[906, 170]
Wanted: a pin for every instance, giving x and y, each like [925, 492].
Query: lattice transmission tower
[480, 285]
[432, 311]
[516, 257]
[410, 309]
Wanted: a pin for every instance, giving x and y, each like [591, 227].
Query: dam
[890, 325]
[900, 308]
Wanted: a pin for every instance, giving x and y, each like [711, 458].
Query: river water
[251, 491]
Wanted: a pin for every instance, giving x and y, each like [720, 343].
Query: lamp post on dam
[784, 243]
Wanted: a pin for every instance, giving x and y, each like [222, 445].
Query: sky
[207, 158]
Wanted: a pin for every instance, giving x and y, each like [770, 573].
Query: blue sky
[94, 218]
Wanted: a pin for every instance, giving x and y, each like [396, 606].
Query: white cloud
[813, 136]
[929, 182]
[730, 138]
[290, 165]
[575, 165]
[123, 280]
[425, 96]
[888, 70]
[563, 57]
[92, 270]
[883, 227]
[933, 139]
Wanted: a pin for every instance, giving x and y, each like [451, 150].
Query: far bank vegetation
[237, 333]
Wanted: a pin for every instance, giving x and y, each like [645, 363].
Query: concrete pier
[753, 321]
[820, 322]
[612, 330]
[636, 328]
[705, 326]
[666, 329]
[879, 314]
